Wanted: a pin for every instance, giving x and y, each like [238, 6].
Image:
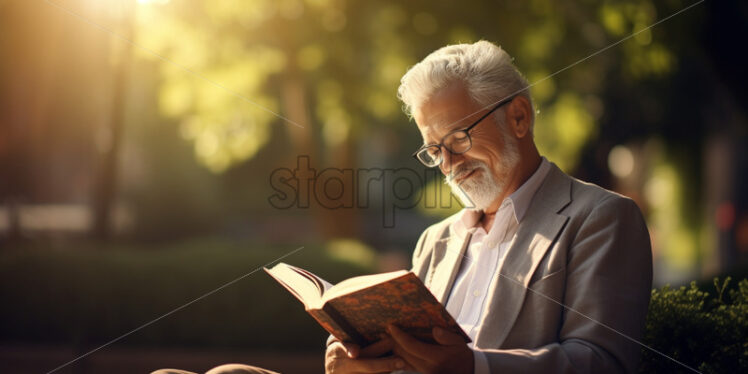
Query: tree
[333, 67]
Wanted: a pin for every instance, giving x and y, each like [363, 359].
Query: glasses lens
[458, 142]
[429, 156]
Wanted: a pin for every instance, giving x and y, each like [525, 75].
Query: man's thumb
[352, 350]
[444, 337]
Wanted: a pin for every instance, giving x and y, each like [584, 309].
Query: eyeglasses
[456, 142]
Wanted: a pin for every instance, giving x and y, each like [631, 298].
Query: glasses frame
[466, 130]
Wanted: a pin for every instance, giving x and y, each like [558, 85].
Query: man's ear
[519, 116]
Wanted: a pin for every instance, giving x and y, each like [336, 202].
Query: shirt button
[476, 293]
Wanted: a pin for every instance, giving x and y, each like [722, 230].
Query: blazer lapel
[449, 253]
[537, 232]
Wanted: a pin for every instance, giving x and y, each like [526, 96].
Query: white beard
[478, 191]
[482, 188]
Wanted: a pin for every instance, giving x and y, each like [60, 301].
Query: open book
[358, 309]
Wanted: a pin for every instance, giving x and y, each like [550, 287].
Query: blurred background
[139, 142]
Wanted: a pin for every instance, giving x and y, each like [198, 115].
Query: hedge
[86, 296]
[83, 297]
[707, 331]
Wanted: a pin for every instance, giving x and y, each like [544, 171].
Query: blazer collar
[449, 252]
[535, 235]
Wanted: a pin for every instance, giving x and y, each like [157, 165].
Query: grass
[88, 295]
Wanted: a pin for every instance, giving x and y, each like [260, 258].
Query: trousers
[223, 369]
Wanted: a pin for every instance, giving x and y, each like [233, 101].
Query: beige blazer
[573, 291]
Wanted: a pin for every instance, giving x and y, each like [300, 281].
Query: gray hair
[485, 69]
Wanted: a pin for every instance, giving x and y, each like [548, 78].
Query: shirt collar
[522, 197]
[519, 201]
[465, 222]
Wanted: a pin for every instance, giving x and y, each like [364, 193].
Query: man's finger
[377, 349]
[445, 337]
[411, 362]
[371, 365]
[340, 349]
[351, 349]
[336, 349]
[409, 343]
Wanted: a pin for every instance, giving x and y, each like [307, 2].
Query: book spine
[353, 334]
[329, 324]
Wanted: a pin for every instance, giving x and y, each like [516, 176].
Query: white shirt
[484, 256]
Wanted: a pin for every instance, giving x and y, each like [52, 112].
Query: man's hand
[450, 355]
[342, 358]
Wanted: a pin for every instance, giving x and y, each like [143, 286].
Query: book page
[302, 284]
[358, 283]
[322, 284]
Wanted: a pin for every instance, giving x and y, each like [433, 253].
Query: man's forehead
[447, 109]
[436, 125]
[431, 130]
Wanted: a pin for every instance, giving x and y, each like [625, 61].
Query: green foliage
[84, 295]
[259, 48]
[706, 331]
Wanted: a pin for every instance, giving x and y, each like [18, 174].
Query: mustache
[462, 170]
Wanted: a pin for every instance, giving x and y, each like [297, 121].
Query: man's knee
[238, 369]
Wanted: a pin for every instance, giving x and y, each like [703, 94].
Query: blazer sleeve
[608, 286]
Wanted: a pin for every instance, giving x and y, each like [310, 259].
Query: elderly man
[545, 273]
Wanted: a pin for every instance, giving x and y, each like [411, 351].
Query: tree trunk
[332, 222]
[105, 184]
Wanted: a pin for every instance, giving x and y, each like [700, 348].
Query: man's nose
[449, 161]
